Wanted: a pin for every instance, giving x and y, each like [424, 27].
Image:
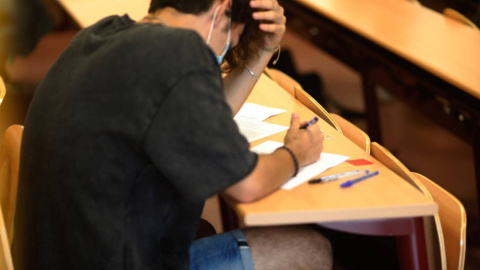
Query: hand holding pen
[306, 144]
[313, 121]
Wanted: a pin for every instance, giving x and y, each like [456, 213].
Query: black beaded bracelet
[295, 160]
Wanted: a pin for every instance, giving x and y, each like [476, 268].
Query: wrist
[275, 50]
[271, 49]
[294, 158]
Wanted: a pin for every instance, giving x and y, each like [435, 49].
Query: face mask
[227, 46]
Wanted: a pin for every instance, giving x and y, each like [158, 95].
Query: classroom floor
[421, 145]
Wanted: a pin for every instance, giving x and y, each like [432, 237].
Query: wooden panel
[443, 46]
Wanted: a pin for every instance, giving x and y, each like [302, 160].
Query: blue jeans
[222, 251]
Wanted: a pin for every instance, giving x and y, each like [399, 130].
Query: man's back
[114, 155]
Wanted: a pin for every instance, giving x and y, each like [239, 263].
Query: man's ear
[224, 5]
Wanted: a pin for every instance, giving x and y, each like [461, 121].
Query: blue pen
[351, 182]
[309, 123]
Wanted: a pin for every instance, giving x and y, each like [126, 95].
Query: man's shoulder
[172, 38]
[155, 34]
[167, 43]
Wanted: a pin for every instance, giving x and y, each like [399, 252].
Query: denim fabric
[221, 251]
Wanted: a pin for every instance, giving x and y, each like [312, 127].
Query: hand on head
[306, 143]
[270, 13]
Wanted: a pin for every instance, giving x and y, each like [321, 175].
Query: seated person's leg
[222, 251]
[289, 247]
[282, 247]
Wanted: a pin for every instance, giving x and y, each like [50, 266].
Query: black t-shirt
[125, 138]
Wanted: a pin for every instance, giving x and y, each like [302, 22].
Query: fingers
[266, 4]
[268, 27]
[273, 16]
[271, 12]
[295, 121]
[268, 11]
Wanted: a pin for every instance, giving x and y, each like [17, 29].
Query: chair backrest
[454, 222]
[354, 133]
[389, 160]
[6, 262]
[282, 79]
[3, 89]
[453, 14]
[295, 89]
[307, 100]
[9, 165]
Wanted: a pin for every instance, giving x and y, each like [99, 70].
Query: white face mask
[227, 46]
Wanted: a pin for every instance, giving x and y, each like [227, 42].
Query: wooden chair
[454, 222]
[295, 89]
[282, 79]
[354, 133]
[315, 107]
[9, 165]
[453, 14]
[434, 231]
[3, 89]
[6, 262]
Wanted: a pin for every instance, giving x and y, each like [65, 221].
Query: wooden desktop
[423, 58]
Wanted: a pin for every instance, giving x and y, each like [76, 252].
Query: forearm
[303, 147]
[239, 83]
[269, 174]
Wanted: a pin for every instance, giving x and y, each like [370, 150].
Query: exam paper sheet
[305, 173]
[249, 121]
[257, 112]
[254, 130]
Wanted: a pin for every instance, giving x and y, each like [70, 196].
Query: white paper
[254, 130]
[257, 112]
[305, 173]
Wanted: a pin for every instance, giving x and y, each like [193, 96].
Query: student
[132, 130]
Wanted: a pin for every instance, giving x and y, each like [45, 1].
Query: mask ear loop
[228, 37]
[211, 25]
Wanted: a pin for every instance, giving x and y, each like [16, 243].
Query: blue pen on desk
[309, 123]
[361, 178]
[337, 176]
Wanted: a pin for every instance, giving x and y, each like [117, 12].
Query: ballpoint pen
[337, 176]
[361, 178]
[309, 123]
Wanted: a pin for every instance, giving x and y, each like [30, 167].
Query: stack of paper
[250, 121]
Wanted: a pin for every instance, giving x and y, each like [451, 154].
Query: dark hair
[251, 41]
[185, 6]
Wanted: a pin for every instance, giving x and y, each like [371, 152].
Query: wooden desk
[383, 205]
[88, 12]
[384, 196]
[428, 61]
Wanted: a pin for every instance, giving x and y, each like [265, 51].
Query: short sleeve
[193, 140]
